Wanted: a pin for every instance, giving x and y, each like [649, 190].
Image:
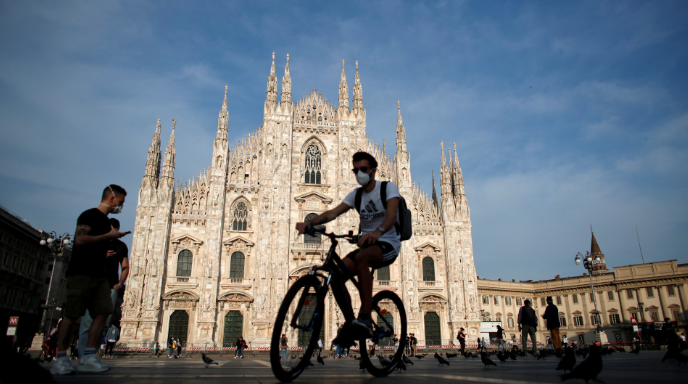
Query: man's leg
[85, 325]
[113, 298]
[533, 337]
[365, 259]
[524, 338]
[95, 331]
[556, 339]
[64, 334]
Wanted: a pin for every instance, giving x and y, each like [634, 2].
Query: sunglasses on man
[362, 169]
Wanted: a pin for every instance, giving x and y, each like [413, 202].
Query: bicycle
[305, 317]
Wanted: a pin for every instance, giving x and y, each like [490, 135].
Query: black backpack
[404, 220]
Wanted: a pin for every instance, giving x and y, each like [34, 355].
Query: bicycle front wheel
[389, 321]
[300, 319]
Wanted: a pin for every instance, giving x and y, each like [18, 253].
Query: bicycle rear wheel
[300, 318]
[389, 320]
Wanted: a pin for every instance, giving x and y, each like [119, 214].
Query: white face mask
[117, 209]
[363, 178]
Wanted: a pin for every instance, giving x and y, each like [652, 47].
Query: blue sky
[565, 114]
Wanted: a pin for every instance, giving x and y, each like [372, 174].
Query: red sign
[14, 320]
[633, 321]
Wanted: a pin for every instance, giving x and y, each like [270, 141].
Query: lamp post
[57, 245]
[588, 263]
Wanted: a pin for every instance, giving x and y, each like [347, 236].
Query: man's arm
[519, 315]
[324, 217]
[125, 273]
[83, 238]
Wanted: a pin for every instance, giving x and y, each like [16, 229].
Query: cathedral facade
[212, 258]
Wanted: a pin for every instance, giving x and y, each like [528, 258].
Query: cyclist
[379, 243]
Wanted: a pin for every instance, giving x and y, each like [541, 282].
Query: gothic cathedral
[212, 258]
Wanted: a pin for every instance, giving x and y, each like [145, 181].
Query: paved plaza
[618, 368]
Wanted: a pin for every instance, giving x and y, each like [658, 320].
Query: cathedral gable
[430, 247]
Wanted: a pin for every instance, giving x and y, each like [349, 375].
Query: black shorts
[389, 254]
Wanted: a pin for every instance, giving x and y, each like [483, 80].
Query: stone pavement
[618, 368]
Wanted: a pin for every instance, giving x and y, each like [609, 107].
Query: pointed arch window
[313, 165]
[236, 265]
[428, 269]
[184, 262]
[308, 239]
[239, 223]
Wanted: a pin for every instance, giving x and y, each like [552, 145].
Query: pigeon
[208, 360]
[450, 355]
[512, 355]
[486, 360]
[588, 369]
[502, 357]
[568, 361]
[401, 366]
[442, 361]
[420, 357]
[320, 360]
[406, 360]
[383, 361]
[542, 354]
[437, 356]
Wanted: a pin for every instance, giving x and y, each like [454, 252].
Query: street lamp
[588, 263]
[56, 244]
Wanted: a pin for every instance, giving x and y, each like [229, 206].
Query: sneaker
[61, 367]
[91, 363]
[364, 325]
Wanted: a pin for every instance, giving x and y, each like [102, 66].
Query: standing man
[462, 340]
[527, 324]
[500, 337]
[551, 317]
[320, 346]
[414, 345]
[88, 287]
[117, 255]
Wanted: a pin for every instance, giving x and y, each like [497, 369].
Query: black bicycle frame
[333, 264]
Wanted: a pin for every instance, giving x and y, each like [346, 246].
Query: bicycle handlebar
[311, 230]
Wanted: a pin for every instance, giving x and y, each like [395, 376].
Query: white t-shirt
[373, 212]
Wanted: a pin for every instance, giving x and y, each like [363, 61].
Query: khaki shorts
[85, 292]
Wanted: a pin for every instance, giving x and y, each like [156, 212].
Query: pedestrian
[565, 340]
[117, 257]
[500, 338]
[171, 348]
[396, 343]
[408, 345]
[74, 350]
[284, 347]
[157, 349]
[179, 349]
[243, 346]
[320, 346]
[414, 344]
[527, 324]
[551, 317]
[480, 344]
[462, 339]
[112, 336]
[87, 282]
